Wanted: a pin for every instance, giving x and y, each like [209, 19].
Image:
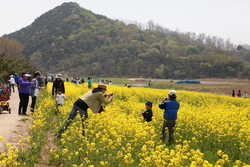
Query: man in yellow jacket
[93, 100]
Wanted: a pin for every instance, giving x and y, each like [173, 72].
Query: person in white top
[59, 99]
[34, 89]
[12, 83]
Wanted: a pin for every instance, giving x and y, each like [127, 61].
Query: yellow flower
[1, 138]
[220, 153]
[8, 144]
[102, 163]
[64, 151]
[118, 137]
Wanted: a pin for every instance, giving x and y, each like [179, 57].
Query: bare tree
[151, 25]
[229, 46]
[11, 48]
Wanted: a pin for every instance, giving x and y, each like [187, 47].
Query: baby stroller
[4, 97]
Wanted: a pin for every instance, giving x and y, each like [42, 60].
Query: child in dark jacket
[148, 114]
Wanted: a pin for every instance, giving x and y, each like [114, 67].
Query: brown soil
[225, 80]
[225, 86]
[208, 85]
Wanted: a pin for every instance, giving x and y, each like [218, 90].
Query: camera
[111, 94]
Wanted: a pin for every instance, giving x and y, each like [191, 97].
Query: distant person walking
[239, 94]
[233, 93]
[82, 81]
[45, 80]
[245, 94]
[16, 77]
[89, 82]
[12, 83]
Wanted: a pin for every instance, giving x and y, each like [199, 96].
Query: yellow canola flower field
[211, 130]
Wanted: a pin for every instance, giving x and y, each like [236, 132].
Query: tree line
[10, 60]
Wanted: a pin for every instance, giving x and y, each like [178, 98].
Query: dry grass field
[208, 85]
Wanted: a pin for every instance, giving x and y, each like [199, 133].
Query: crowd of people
[239, 94]
[94, 99]
[29, 85]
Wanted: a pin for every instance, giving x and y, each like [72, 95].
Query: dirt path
[12, 125]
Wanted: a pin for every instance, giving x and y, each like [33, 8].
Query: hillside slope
[79, 42]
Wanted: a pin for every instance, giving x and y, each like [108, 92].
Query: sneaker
[58, 136]
[25, 114]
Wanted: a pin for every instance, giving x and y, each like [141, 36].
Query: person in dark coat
[239, 93]
[58, 83]
[148, 114]
[233, 93]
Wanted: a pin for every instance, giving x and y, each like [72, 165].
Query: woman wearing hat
[24, 91]
[93, 100]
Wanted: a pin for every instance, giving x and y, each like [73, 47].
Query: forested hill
[79, 42]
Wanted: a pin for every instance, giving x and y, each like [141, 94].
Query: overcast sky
[220, 18]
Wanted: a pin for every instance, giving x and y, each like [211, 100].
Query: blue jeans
[72, 115]
[13, 87]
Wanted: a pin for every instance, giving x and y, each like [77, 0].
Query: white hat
[172, 93]
[26, 75]
[59, 76]
[11, 76]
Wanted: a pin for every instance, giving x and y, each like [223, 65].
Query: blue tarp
[188, 82]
